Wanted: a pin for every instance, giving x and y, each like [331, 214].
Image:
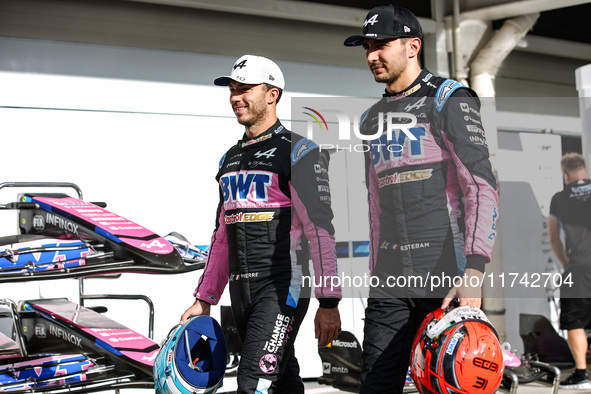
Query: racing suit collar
[246, 142]
[424, 76]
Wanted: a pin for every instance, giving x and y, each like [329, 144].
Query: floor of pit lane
[313, 387]
[530, 388]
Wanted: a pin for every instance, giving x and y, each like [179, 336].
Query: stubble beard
[258, 113]
[394, 69]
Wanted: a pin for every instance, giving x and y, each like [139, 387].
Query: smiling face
[254, 106]
[249, 103]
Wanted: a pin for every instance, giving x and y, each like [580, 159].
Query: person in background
[570, 210]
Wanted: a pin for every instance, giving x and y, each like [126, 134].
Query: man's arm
[327, 325]
[310, 196]
[215, 275]
[217, 269]
[555, 242]
[468, 295]
[465, 140]
[199, 308]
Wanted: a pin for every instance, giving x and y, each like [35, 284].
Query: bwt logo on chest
[246, 185]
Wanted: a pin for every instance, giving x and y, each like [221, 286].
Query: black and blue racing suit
[274, 215]
[432, 210]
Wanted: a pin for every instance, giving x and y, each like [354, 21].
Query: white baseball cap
[253, 70]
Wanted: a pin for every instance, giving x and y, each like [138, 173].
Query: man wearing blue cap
[274, 215]
[432, 194]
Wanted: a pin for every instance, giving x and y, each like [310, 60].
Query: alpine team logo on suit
[246, 185]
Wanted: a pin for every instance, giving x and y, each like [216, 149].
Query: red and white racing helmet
[457, 351]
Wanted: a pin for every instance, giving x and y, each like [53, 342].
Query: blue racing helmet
[192, 359]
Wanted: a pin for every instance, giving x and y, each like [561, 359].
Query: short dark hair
[572, 162]
[269, 87]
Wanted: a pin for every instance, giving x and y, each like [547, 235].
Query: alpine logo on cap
[271, 78]
[371, 21]
[406, 29]
[240, 65]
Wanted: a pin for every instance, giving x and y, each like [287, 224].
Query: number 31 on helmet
[457, 351]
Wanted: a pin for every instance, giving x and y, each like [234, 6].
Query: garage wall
[139, 25]
[117, 97]
[129, 25]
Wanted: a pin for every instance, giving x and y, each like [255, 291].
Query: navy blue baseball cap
[387, 22]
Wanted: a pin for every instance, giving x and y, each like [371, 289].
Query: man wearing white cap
[274, 215]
